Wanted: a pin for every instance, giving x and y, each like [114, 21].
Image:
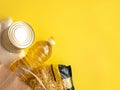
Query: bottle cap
[18, 36]
[51, 41]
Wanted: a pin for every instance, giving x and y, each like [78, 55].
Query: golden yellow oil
[36, 55]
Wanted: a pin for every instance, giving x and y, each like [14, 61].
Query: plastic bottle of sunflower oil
[35, 56]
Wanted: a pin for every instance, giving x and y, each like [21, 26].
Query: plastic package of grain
[47, 77]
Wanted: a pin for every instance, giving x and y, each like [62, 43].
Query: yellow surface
[87, 34]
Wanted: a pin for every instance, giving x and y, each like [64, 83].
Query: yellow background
[87, 35]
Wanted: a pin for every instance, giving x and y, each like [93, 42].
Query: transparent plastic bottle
[36, 55]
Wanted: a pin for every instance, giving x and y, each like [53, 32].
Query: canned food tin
[18, 36]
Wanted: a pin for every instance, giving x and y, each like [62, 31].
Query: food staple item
[37, 54]
[48, 77]
[14, 38]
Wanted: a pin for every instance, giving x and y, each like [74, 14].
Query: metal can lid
[21, 34]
